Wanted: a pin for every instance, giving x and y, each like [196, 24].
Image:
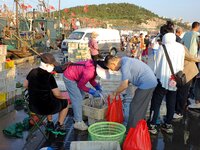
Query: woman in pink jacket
[93, 45]
[76, 76]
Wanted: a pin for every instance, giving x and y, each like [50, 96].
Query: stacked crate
[78, 52]
[111, 84]
[7, 80]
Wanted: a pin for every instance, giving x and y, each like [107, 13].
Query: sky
[186, 9]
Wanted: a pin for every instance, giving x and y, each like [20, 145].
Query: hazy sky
[187, 9]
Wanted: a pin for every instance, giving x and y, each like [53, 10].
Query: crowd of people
[153, 85]
[136, 46]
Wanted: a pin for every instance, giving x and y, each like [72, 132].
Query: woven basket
[107, 131]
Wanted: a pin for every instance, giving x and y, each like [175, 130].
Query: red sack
[138, 138]
[115, 111]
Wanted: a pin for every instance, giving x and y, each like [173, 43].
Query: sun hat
[94, 34]
[102, 71]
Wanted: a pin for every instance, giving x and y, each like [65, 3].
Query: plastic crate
[3, 50]
[2, 83]
[95, 145]
[2, 58]
[11, 95]
[2, 67]
[94, 113]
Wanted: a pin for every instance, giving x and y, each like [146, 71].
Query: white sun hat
[102, 73]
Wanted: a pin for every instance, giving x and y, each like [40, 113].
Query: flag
[51, 7]
[73, 14]
[85, 9]
[92, 20]
[23, 6]
[72, 20]
[63, 21]
[29, 6]
[66, 10]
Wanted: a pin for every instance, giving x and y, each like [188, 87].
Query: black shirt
[40, 84]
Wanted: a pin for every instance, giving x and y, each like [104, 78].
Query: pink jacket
[93, 45]
[82, 74]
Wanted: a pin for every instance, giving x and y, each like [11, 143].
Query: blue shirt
[191, 40]
[137, 73]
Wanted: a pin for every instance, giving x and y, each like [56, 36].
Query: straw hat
[94, 34]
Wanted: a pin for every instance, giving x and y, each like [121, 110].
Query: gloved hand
[98, 88]
[94, 93]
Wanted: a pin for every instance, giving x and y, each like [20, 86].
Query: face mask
[50, 68]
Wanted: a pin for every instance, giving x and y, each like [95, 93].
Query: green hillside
[120, 15]
[115, 11]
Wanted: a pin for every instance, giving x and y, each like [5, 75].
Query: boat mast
[17, 22]
[59, 17]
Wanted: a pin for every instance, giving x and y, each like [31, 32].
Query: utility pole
[59, 17]
[17, 23]
[48, 13]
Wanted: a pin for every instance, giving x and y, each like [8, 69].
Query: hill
[121, 15]
[115, 11]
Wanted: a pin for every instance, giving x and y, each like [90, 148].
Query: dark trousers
[138, 106]
[181, 98]
[156, 101]
[197, 89]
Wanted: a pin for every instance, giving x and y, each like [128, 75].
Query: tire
[113, 52]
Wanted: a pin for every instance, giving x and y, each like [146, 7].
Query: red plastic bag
[138, 138]
[115, 110]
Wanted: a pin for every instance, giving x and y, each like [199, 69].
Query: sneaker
[153, 129]
[167, 128]
[80, 126]
[194, 106]
[191, 101]
[59, 129]
[50, 126]
[177, 116]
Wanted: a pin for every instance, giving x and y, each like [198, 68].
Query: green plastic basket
[107, 131]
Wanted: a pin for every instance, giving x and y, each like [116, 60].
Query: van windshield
[76, 35]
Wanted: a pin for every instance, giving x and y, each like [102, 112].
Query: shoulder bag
[180, 77]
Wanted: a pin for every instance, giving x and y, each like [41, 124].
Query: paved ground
[186, 131]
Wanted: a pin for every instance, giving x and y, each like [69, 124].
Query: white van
[108, 39]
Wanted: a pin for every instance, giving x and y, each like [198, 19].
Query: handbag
[180, 77]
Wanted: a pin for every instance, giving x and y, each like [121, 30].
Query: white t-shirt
[155, 44]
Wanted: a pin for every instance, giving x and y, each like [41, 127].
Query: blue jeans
[76, 96]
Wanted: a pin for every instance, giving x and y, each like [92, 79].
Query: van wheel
[113, 52]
